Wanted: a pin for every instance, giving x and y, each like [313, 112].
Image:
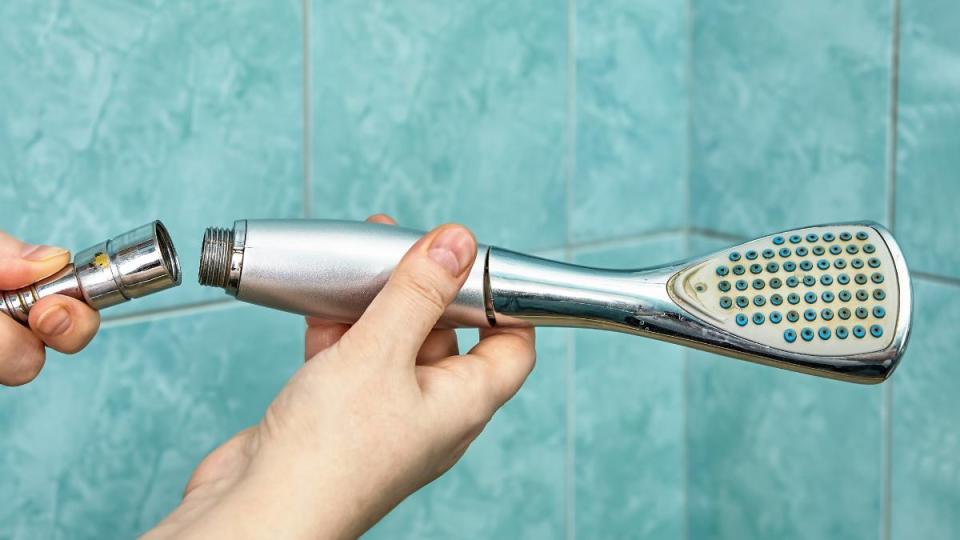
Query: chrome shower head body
[830, 300]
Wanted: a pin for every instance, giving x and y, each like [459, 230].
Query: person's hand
[379, 410]
[59, 322]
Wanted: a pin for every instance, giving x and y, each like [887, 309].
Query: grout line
[938, 279]
[717, 235]
[307, 150]
[688, 245]
[887, 496]
[570, 125]
[617, 240]
[688, 173]
[570, 440]
[892, 135]
[893, 121]
[169, 312]
[570, 454]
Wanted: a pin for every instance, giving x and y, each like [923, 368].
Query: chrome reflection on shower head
[134, 264]
[829, 300]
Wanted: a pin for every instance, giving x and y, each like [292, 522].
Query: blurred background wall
[609, 132]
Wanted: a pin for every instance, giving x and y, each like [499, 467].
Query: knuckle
[424, 292]
[481, 412]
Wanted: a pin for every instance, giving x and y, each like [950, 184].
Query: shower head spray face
[829, 300]
[838, 294]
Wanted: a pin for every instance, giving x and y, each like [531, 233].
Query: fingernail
[54, 322]
[41, 253]
[452, 249]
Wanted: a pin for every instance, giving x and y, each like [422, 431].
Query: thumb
[420, 288]
[22, 264]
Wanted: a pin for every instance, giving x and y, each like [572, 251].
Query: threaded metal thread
[215, 257]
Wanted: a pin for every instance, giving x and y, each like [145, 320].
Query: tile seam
[569, 473]
[169, 312]
[305, 106]
[892, 135]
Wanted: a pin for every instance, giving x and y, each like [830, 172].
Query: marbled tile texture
[789, 103]
[630, 117]
[440, 111]
[101, 445]
[926, 430]
[118, 113]
[928, 137]
[628, 419]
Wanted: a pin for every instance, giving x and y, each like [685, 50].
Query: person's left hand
[62, 323]
[380, 409]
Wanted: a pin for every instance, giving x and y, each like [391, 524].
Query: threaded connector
[215, 255]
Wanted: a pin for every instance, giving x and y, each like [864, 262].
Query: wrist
[282, 492]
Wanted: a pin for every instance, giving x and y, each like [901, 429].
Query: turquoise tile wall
[804, 113]
[926, 431]
[440, 111]
[790, 113]
[118, 113]
[631, 118]
[102, 444]
[603, 132]
[928, 161]
[628, 419]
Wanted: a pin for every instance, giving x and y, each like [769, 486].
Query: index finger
[508, 356]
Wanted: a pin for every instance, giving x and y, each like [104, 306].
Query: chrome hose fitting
[134, 264]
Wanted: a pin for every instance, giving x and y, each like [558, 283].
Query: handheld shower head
[829, 300]
[134, 264]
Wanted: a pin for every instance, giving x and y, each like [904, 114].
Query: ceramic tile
[629, 418]
[926, 431]
[116, 114]
[101, 445]
[928, 136]
[510, 483]
[790, 107]
[631, 118]
[442, 111]
[777, 454]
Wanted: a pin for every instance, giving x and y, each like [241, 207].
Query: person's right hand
[379, 410]
[59, 322]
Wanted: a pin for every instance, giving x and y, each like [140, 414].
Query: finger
[439, 345]
[420, 288]
[65, 324]
[381, 218]
[507, 356]
[320, 335]
[21, 353]
[22, 264]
